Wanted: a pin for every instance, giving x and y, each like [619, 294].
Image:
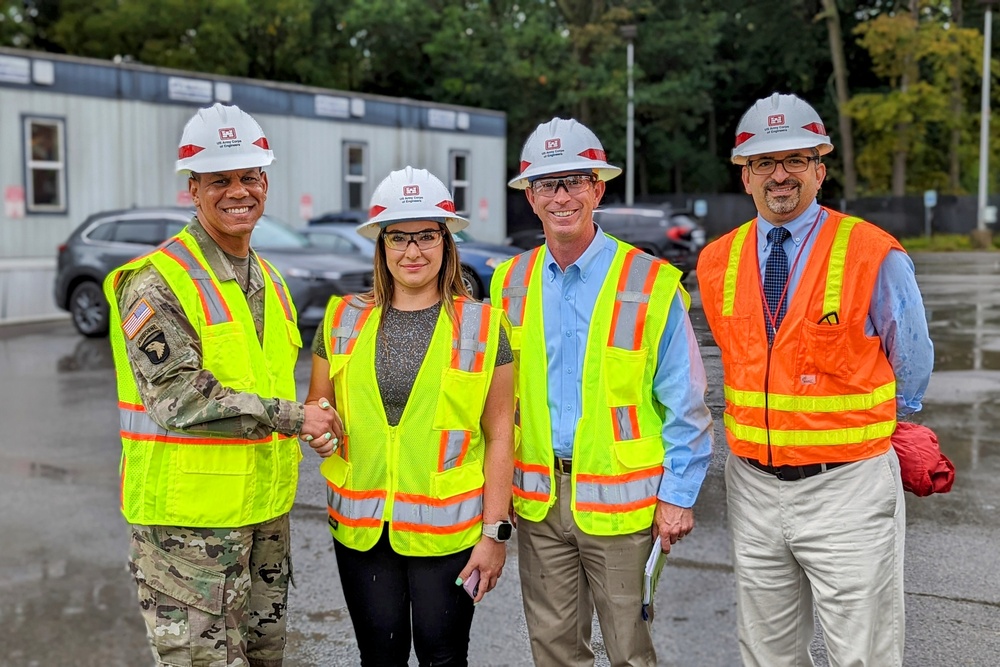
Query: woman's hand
[322, 429]
[488, 557]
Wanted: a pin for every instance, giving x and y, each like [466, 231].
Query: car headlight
[296, 272]
[332, 275]
[494, 262]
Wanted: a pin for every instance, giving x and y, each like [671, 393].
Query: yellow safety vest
[618, 449]
[425, 475]
[182, 479]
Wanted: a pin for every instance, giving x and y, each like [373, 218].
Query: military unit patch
[156, 348]
[141, 312]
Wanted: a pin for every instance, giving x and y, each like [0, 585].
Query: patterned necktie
[775, 277]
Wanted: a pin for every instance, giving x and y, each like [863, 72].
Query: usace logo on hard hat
[226, 133]
[411, 190]
[553, 144]
[776, 120]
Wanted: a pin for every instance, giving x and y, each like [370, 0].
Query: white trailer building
[79, 136]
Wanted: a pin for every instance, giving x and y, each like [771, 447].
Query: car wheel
[471, 282]
[89, 309]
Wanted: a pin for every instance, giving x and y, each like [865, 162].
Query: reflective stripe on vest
[617, 493]
[350, 318]
[358, 509]
[279, 289]
[423, 514]
[515, 287]
[136, 424]
[215, 308]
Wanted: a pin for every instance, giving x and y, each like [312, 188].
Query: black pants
[381, 588]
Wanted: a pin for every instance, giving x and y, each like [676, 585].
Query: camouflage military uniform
[212, 597]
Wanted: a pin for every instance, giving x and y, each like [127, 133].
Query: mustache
[791, 180]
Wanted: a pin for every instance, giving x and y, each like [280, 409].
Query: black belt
[794, 473]
[564, 466]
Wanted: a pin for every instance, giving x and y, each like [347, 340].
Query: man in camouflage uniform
[211, 595]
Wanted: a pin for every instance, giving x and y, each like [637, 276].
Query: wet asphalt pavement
[66, 598]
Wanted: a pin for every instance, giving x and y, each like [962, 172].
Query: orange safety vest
[824, 392]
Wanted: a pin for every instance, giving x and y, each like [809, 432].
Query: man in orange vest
[824, 343]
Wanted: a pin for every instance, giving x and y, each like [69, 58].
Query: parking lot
[66, 598]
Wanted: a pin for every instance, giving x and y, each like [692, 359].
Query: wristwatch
[499, 531]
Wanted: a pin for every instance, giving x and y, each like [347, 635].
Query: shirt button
[568, 370]
[567, 297]
[569, 334]
[569, 408]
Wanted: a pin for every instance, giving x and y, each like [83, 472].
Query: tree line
[897, 82]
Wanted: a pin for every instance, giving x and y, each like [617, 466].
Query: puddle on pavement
[95, 611]
[88, 354]
[27, 468]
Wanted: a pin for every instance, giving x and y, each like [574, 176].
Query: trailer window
[45, 164]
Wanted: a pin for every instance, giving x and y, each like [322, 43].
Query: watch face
[504, 531]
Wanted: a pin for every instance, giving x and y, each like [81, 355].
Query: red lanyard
[772, 317]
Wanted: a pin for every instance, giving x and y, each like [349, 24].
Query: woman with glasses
[419, 475]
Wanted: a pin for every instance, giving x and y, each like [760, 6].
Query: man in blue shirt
[824, 344]
[615, 436]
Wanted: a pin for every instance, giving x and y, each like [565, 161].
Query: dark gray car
[109, 239]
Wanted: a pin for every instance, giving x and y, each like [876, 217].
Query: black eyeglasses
[795, 164]
[574, 184]
[425, 239]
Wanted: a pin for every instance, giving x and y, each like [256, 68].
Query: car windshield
[269, 233]
[462, 237]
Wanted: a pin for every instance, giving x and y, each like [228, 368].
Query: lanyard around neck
[773, 317]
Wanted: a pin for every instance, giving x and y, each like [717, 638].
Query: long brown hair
[449, 281]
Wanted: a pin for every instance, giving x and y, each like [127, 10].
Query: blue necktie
[775, 278]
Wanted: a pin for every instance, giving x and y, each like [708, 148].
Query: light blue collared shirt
[896, 313]
[679, 383]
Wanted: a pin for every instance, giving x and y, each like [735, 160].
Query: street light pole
[629, 33]
[984, 117]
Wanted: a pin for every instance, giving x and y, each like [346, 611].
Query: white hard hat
[222, 138]
[559, 146]
[779, 123]
[410, 194]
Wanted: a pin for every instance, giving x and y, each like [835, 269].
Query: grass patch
[941, 243]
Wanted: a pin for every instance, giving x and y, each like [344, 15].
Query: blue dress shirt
[896, 313]
[679, 384]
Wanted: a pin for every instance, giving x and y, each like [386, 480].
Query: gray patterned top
[402, 345]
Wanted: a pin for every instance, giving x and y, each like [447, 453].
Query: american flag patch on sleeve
[140, 314]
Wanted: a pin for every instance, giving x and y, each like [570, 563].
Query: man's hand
[322, 427]
[671, 523]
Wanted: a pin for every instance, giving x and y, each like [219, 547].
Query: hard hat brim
[223, 164]
[372, 228]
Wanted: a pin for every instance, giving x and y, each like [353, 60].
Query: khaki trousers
[565, 573]
[833, 541]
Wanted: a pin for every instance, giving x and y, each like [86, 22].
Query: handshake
[322, 428]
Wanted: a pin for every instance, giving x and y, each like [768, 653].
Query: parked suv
[107, 240]
[662, 232]
[335, 232]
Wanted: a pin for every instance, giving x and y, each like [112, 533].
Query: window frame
[454, 183]
[350, 178]
[30, 165]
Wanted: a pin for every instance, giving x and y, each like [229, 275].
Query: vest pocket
[236, 460]
[823, 350]
[336, 470]
[623, 372]
[639, 454]
[460, 404]
[226, 355]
